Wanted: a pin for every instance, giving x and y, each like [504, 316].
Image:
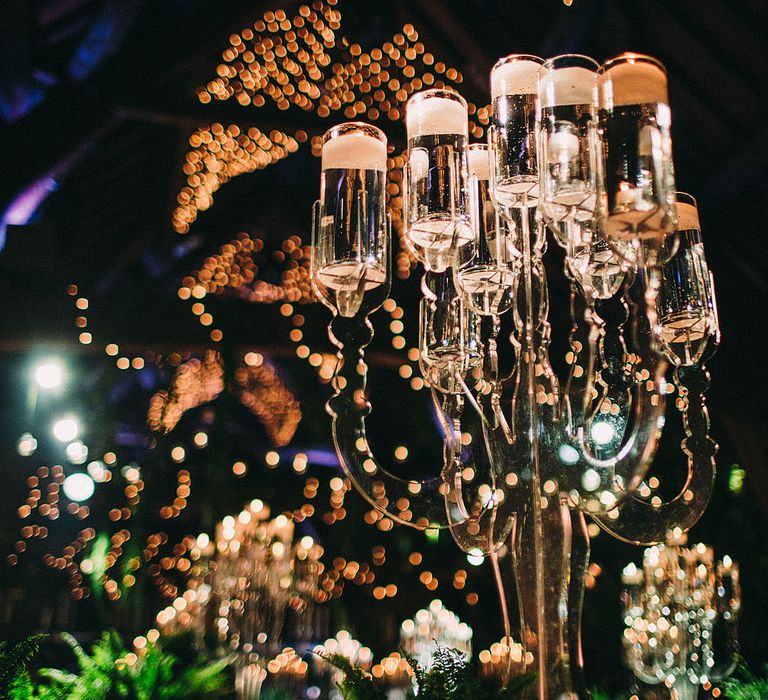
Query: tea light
[626, 196]
[563, 144]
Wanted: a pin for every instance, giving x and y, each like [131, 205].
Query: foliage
[746, 685]
[599, 694]
[110, 672]
[275, 694]
[15, 681]
[451, 677]
[357, 684]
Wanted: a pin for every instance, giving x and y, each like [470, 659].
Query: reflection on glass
[597, 268]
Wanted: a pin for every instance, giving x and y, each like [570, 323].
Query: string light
[217, 155]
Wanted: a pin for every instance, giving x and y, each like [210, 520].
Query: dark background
[97, 102]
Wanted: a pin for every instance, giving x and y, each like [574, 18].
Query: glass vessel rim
[445, 93]
[511, 58]
[630, 57]
[478, 147]
[354, 127]
[686, 198]
[548, 64]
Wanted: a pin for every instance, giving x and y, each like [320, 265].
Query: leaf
[13, 661]
[357, 684]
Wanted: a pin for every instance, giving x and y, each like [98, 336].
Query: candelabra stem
[504, 612]
[544, 541]
[579, 562]
[683, 689]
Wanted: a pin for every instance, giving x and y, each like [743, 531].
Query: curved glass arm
[471, 494]
[640, 522]
[349, 408]
[601, 463]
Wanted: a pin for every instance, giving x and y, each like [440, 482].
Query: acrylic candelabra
[585, 151]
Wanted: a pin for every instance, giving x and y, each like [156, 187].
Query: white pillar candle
[419, 162]
[355, 150]
[436, 115]
[515, 78]
[479, 164]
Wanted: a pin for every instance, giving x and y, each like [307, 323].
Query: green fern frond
[745, 685]
[14, 660]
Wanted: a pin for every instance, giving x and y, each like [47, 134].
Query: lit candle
[626, 195]
[631, 576]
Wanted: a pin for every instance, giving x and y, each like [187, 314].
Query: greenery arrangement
[175, 670]
[451, 677]
[14, 676]
[110, 672]
[745, 685]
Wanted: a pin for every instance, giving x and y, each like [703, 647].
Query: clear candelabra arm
[686, 300]
[351, 274]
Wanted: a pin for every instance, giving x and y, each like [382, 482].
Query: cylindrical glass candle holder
[437, 216]
[485, 271]
[513, 134]
[567, 89]
[351, 230]
[685, 303]
[635, 121]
